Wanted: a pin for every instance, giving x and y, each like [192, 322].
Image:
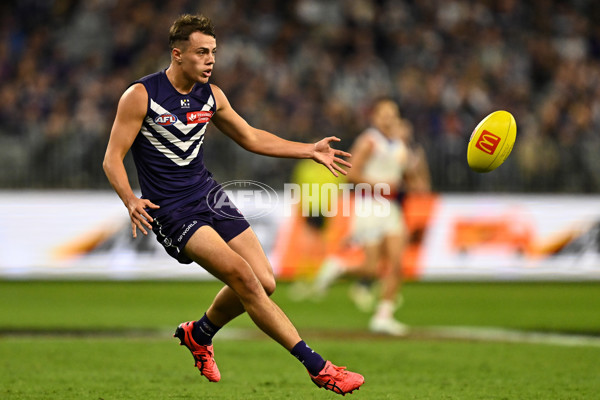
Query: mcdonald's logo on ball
[488, 142]
[492, 141]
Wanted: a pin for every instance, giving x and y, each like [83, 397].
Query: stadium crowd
[308, 68]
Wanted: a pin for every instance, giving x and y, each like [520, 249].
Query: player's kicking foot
[203, 355]
[337, 379]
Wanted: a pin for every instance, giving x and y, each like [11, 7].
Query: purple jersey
[168, 151]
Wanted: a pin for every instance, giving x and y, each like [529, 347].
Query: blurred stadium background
[308, 68]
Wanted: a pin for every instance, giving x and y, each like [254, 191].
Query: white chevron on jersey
[183, 128]
[182, 162]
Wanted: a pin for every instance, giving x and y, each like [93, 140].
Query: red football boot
[203, 355]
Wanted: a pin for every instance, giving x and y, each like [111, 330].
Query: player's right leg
[226, 305]
[244, 292]
[209, 250]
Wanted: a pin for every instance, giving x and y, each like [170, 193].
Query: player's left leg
[393, 247]
[362, 292]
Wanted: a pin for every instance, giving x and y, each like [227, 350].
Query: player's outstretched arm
[330, 157]
[262, 142]
[130, 114]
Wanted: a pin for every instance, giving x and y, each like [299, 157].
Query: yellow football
[492, 141]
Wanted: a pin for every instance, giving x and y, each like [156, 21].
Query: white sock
[385, 309]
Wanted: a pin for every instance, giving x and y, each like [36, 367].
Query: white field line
[465, 333]
[482, 334]
[509, 335]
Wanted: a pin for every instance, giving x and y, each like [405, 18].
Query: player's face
[385, 116]
[198, 57]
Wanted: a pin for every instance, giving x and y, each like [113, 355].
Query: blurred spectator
[308, 66]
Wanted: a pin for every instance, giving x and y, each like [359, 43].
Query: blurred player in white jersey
[383, 160]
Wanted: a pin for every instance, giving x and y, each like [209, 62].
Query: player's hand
[139, 216]
[330, 157]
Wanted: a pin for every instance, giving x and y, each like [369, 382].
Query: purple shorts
[174, 227]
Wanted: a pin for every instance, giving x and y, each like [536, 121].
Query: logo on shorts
[185, 232]
[255, 198]
[167, 242]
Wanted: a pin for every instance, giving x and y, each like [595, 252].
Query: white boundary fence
[86, 235]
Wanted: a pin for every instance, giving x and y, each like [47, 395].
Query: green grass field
[112, 340]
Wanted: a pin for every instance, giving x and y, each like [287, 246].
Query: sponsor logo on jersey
[165, 119]
[185, 103]
[199, 117]
[487, 142]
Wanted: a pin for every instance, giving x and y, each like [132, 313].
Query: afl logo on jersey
[165, 119]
